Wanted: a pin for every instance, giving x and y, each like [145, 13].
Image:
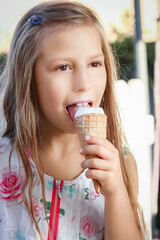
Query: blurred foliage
[3, 57]
[150, 61]
[123, 49]
[124, 54]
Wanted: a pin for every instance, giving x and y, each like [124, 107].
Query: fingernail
[81, 150]
[87, 137]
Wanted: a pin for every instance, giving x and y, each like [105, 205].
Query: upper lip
[90, 102]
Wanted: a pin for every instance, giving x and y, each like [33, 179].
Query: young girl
[59, 59]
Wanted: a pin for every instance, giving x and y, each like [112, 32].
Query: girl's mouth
[73, 107]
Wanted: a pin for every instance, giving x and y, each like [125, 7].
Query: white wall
[139, 129]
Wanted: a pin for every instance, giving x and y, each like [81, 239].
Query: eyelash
[64, 67]
[98, 64]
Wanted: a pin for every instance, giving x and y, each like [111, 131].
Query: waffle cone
[91, 124]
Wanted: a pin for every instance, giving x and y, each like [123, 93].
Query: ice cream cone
[93, 124]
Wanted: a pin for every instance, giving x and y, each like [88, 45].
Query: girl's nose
[81, 80]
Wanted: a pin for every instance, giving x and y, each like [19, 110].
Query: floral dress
[74, 210]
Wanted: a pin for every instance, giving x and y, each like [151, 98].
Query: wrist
[116, 196]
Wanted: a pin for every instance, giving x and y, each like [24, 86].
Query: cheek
[101, 83]
[48, 90]
[48, 96]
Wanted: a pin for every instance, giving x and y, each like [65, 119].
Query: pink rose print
[93, 195]
[88, 226]
[37, 208]
[10, 185]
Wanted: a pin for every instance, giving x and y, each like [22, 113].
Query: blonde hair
[20, 107]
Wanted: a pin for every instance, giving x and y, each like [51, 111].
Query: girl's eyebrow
[97, 55]
[72, 59]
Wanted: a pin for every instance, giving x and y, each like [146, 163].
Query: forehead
[76, 39]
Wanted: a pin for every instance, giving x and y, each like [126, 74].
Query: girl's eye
[64, 67]
[95, 64]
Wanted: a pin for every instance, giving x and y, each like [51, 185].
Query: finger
[98, 175]
[97, 150]
[99, 141]
[96, 163]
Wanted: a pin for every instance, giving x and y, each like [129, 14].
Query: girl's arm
[120, 221]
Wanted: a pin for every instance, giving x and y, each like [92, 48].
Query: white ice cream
[88, 110]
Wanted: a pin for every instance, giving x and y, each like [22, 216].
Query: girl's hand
[105, 167]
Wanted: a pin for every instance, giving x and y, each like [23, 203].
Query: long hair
[20, 104]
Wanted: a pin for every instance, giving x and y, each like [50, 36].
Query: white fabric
[81, 214]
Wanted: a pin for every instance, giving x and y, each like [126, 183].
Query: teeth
[82, 104]
[85, 104]
[79, 104]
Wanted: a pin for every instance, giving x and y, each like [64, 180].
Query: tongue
[72, 109]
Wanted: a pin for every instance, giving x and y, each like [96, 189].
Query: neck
[60, 155]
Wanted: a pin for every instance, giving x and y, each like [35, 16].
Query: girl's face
[69, 72]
